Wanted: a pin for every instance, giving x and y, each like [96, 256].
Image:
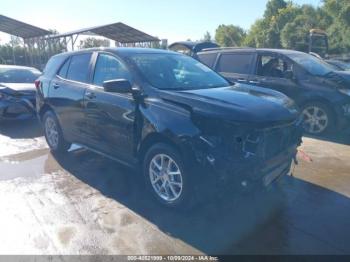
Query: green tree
[256, 36]
[295, 33]
[266, 32]
[93, 42]
[339, 28]
[207, 37]
[273, 7]
[156, 45]
[229, 35]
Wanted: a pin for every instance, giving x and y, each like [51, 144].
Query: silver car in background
[17, 91]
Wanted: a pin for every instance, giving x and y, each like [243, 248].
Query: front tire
[166, 176]
[53, 134]
[318, 118]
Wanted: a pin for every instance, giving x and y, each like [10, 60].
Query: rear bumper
[17, 109]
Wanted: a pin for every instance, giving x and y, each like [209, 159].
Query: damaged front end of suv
[237, 146]
[245, 156]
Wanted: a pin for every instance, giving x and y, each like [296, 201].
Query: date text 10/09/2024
[172, 258]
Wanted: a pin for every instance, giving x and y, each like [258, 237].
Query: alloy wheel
[315, 119]
[165, 177]
[51, 132]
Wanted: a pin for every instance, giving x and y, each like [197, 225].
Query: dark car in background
[17, 92]
[189, 129]
[191, 48]
[321, 92]
[339, 65]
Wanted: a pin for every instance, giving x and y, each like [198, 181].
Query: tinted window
[313, 65]
[176, 72]
[109, 67]
[272, 66]
[53, 64]
[20, 75]
[79, 68]
[235, 63]
[208, 59]
[64, 69]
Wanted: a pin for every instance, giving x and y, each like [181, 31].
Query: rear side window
[53, 64]
[64, 69]
[79, 68]
[208, 59]
[235, 63]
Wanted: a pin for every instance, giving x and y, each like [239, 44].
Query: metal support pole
[25, 52]
[76, 37]
[71, 38]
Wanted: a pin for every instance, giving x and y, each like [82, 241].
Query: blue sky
[175, 20]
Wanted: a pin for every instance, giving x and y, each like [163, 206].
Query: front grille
[269, 143]
[277, 140]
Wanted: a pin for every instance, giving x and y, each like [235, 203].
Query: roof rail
[226, 48]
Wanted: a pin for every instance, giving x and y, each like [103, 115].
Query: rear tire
[53, 134]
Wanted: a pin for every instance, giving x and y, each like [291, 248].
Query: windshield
[176, 72]
[312, 64]
[340, 65]
[15, 75]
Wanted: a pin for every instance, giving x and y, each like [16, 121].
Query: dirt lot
[86, 204]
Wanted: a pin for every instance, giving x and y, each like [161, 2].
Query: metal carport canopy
[21, 29]
[119, 32]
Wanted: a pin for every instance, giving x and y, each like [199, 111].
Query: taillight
[37, 83]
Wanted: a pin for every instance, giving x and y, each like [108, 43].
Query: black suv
[186, 127]
[322, 93]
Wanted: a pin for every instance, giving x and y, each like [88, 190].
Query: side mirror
[117, 86]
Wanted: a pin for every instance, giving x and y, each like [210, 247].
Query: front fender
[172, 122]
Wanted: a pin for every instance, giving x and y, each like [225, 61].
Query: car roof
[249, 49]
[121, 50]
[17, 67]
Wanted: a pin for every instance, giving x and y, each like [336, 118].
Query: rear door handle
[55, 85]
[254, 82]
[90, 95]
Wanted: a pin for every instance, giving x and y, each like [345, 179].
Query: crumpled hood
[22, 88]
[239, 103]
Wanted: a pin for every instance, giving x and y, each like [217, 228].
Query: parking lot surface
[82, 203]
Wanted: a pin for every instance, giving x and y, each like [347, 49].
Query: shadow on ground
[21, 129]
[300, 219]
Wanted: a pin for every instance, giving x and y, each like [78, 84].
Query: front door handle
[90, 95]
[55, 85]
[241, 80]
[254, 82]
